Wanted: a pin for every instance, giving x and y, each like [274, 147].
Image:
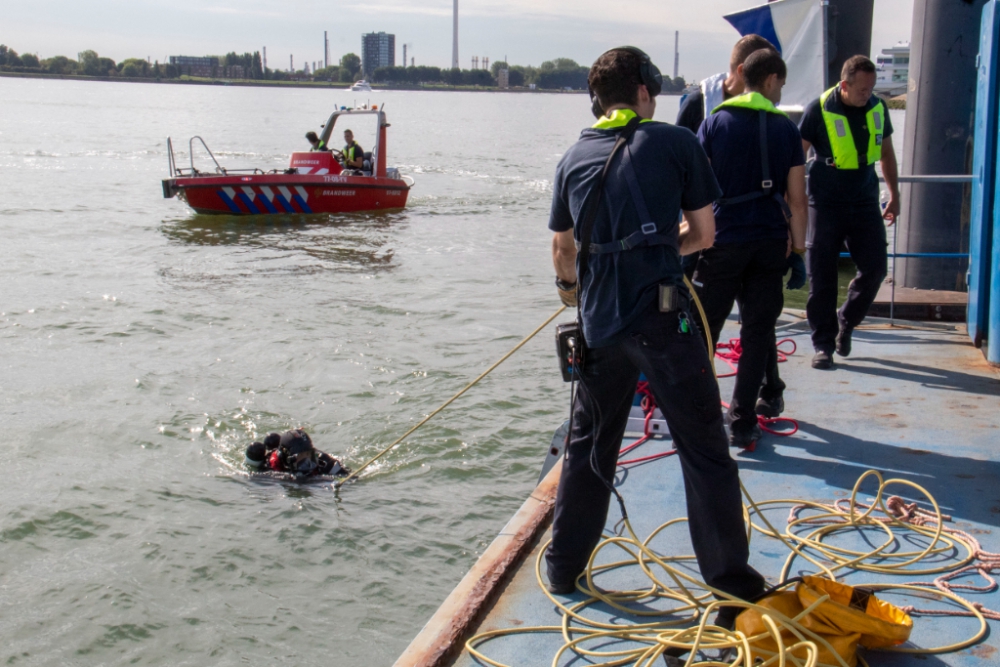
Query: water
[143, 347]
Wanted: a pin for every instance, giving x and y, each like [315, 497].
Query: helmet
[299, 455]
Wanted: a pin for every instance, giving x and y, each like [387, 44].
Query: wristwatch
[565, 286]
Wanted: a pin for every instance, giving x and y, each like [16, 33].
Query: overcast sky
[526, 31]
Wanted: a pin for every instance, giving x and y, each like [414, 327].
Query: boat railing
[219, 169]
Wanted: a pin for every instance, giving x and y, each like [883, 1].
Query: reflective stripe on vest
[349, 152]
[754, 101]
[845, 152]
[618, 118]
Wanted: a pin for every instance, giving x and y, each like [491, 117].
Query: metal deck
[918, 403]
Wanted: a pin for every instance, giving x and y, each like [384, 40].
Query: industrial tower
[454, 38]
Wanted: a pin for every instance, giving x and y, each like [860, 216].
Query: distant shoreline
[258, 83]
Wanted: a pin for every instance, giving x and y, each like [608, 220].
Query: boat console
[316, 163]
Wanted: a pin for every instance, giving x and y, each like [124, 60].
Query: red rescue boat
[315, 182]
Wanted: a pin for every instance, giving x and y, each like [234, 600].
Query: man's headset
[649, 74]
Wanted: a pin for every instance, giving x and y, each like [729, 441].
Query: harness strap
[647, 234]
[766, 184]
[588, 221]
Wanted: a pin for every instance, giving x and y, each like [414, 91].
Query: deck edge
[443, 636]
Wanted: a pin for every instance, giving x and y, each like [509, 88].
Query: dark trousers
[864, 231]
[677, 367]
[751, 273]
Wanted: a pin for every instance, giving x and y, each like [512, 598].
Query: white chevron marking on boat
[305, 170]
[321, 171]
[285, 193]
[248, 191]
[267, 192]
[302, 192]
[229, 192]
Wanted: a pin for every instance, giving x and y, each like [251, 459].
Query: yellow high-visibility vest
[845, 152]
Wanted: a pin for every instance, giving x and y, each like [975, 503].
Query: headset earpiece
[595, 104]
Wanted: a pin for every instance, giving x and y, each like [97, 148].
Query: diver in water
[293, 453]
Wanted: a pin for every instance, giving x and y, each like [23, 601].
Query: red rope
[648, 405]
[730, 353]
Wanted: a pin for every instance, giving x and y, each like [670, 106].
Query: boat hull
[269, 194]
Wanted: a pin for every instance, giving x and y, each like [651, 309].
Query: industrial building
[378, 49]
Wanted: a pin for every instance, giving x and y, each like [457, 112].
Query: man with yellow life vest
[617, 197]
[756, 154]
[850, 131]
[712, 92]
[354, 155]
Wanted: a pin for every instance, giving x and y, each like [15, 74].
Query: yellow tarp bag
[851, 616]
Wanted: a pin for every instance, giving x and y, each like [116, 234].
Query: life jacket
[845, 151]
[763, 106]
[349, 152]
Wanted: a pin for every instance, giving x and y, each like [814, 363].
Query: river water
[143, 347]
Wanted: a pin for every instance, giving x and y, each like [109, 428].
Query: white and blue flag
[796, 28]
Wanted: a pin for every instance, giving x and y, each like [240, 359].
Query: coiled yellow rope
[686, 626]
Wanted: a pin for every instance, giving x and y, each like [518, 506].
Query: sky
[527, 32]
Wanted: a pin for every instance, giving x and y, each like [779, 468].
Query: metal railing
[935, 178]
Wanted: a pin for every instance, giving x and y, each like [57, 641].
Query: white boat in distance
[361, 86]
[893, 70]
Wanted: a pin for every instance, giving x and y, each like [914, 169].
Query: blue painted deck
[921, 404]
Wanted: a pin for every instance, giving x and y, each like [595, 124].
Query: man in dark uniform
[697, 106]
[850, 130]
[754, 234]
[718, 88]
[636, 317]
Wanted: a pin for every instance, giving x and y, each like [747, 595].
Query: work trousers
[684, 387]
[752, 273]
[863, 229]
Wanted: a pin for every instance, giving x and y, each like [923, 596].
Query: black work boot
[770, 406]
[744, 437]
[822, 360]
[844, 340]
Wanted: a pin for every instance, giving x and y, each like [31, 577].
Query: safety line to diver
[426, 419]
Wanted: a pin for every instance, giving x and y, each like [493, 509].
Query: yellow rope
[467, 387]
[652, 639]
[693, 601]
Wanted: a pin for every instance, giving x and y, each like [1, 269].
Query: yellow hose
[645, 642]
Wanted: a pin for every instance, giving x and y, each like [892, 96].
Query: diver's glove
[567, 292]
[798, 268]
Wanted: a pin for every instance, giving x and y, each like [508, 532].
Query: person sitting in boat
[317, 143]
[293, 453]
[354, 155]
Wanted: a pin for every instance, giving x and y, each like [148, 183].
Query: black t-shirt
[673, 174]
[829, 186]
[692, 112]
[731, 139]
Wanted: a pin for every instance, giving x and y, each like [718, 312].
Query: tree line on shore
[561, 73]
